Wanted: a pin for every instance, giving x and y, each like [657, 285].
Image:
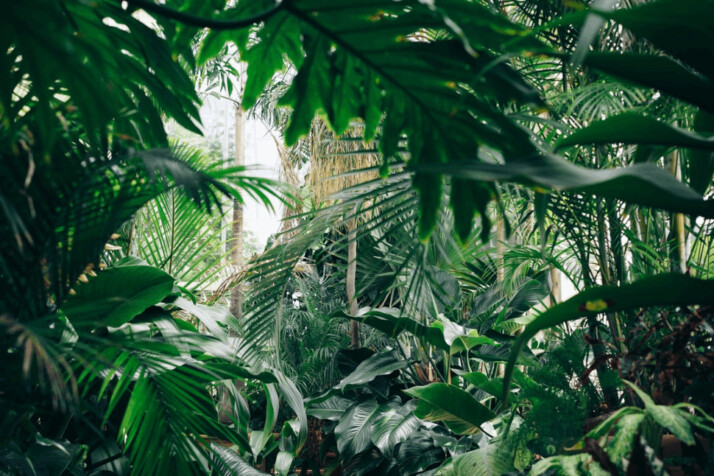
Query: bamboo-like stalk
[678, 233]
[351, 282]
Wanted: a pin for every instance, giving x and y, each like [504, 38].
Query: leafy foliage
[589, 128]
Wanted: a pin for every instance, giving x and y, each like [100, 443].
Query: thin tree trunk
[500, 269]
[556, 293]
[351, 281]
[225, 405]
[677, 231]
[605, 374]
[236, 303]
[500, 249]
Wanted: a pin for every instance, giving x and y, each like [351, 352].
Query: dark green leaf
[117, 295]
[662, 290]
[461, 412]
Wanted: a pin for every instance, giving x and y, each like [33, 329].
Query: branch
[201, 22]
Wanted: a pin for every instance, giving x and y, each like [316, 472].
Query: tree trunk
[351, 281]
[677, 231]
[556, 293]
[500, 268]
[236, 304]
[500, 249]
[225, 405]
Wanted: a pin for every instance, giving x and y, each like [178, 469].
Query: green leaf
[331, 409]
[669, 418]
[701, 162]
[383, 363]
[228, 462]
[294, 433]
[212, 317]
[569, 465]
[358, 64]
[491, 386]
[492, 459]
[388, 321]
[394, 426]
[55, 456]
[662, 290]
[640, 184]
[672, 77]
[460, 338]
[117, 295]
[626, 430]
[674, 26]
[443, 334]
[280, 37]
[634, 128]
[258, 439]
[354, 431]
[605, 427]
[307, 93]
[461, 412]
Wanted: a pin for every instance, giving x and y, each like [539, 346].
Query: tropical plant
[587, 126]
[96, 354]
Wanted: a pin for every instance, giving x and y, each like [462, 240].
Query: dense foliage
[483, 154]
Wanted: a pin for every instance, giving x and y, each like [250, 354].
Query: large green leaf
[383, 363]
[634, 128]
[662, 290]
[668, 417]
[117, 295]
[672, 77]
[626, 430]
[51, 58]
[258, 439]
[215, 318]
[701, 162]
[390, 322]
[294, 433]
[493, 386]
[227, 461]
[354, 431]
[55, 457]
[394, 426]
[461, 412]
[492, 459]
[331, 409]
[640, 184]
[442, 334]
[678, 28]
[419, 453]
[459, 338]
[675, 26]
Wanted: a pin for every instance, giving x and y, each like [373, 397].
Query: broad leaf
[442, 334]
[640, 184]
[394, 426]
[331, 409]
[228, 462]
[354, 431]
[461, 412]
[661, 290]
[380, 364]
[117, 295]
[494, 458]
[668, 417]
[634, 128]
[626, 430]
